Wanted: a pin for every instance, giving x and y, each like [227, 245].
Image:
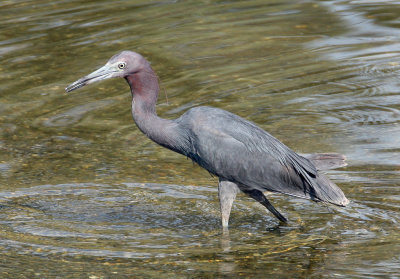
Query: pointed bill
[104, 72]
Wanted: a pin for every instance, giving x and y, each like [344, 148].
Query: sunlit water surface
[84, 194]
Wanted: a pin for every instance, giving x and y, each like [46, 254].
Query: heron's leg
[227, 193]
[259, 196]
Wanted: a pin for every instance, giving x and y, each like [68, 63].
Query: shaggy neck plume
[144, 89]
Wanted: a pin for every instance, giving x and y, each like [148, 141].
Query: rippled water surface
[83, 194]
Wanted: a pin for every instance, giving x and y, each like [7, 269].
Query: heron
[242, 155]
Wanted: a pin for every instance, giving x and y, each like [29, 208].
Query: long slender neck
[144, 89]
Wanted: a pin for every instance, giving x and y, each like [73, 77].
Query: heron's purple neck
[144, 88]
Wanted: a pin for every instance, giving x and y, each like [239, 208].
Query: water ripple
[75, 114]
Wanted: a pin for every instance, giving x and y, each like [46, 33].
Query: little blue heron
[243, 156]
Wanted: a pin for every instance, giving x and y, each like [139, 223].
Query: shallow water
[83, 194]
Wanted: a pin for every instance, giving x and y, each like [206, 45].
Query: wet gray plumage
[242, 155]
[237, 150]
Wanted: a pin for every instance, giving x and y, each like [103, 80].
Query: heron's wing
[239, 151]
[221, 136]
[259, 142]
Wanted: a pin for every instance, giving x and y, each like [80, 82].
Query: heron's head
[120, 65]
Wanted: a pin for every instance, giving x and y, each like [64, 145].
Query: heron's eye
[121, 65]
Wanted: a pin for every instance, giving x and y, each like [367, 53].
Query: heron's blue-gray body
[242, 155]
[237, 150]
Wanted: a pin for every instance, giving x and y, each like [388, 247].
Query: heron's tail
[326, 161]
[326, 191]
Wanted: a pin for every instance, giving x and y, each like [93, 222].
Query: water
[83, 194]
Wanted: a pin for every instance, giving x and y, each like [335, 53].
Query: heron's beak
[107, 71]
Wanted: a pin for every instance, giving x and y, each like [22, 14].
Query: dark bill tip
[73, 86]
